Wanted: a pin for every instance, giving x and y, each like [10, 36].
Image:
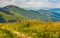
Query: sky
[31, 4]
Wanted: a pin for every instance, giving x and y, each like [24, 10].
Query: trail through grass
[32, 29]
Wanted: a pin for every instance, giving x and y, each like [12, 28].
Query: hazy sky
[32, 4]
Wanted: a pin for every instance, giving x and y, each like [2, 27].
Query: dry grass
[34, 28]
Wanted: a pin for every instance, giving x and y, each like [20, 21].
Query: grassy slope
[34, 28]
[7, 17]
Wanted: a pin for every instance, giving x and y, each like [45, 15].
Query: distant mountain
[54, 16]
[6, 16]
[11, 13]
[46, 12]
[29, 14]
[53, 13]
[56, 10]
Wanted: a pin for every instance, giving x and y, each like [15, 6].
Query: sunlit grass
[34, 28]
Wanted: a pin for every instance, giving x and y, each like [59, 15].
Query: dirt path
[21, 35]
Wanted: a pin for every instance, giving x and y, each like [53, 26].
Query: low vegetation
[31, 29]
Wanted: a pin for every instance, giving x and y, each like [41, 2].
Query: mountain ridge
[43, 15]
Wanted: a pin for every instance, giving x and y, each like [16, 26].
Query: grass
[5, 34]
[33, 28]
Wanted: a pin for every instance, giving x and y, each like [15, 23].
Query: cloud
[54, 1]
[6, 2]
[34, 0]
[38, 5]
[32, 4]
